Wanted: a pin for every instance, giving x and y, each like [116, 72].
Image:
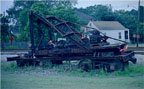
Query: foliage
[19, 13]
[126, 18]
[20, 5]
[129, 20]
[5, 32]
[99, 12]
[65, 13]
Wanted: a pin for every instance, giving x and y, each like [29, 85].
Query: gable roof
[83, 16]
[108, 25]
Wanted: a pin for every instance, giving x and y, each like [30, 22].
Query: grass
[131, 70]
[69, 77]
[9, 67]
[12, 67]
[72, 70]
[38, 81]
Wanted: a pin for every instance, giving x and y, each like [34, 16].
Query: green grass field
[58, 81]
[59, 77]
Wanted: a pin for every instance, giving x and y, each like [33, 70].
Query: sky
[116, 4]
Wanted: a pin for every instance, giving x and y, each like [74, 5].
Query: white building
[111, 28]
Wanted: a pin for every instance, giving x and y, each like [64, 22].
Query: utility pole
[138, 23]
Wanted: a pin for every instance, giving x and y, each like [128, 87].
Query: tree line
[17, 18]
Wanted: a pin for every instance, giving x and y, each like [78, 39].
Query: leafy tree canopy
[126, 18]
[4, 28]
[19, 12]
[64, 10]
[65, 13]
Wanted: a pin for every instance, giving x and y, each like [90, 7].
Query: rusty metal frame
[79, 42]
[45, 21]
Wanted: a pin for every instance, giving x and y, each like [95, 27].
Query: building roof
[83, 16]
[108, 25]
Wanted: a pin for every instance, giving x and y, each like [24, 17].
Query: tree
[141, 15]
[99, 12]
[4, 28]
[127, 18]
[65, 13]
[19, 12]
[20, 5]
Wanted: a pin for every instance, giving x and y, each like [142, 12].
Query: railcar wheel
[114, 66]
[126, 63]
[20, 63]
[29, 63]
[119, 65]
[46, 63]
[85, 65]
[106, 67]
[58, 62]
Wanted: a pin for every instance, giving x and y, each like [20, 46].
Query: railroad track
[139, 50]
[136, 48]
[14, 51]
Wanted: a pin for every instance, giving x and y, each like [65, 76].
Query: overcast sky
[116, 4]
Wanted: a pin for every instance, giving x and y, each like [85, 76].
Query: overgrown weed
[72, 70]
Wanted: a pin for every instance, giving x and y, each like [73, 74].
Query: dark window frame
[126, 34]
[119, 34]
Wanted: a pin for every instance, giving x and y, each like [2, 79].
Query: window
[120, 35]
[126, 34]
[90, 24]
